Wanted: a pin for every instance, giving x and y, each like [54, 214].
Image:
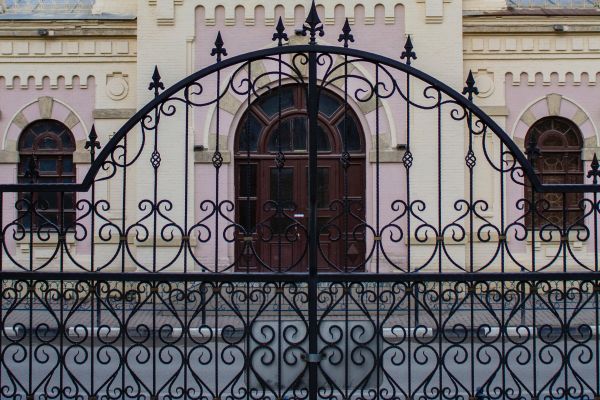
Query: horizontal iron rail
[301, 277]
[360, 55]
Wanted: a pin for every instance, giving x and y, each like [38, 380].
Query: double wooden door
[279, 240]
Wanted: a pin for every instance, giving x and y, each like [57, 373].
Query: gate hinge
[313, 358]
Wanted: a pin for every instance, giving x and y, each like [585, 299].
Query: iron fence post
[313, 109]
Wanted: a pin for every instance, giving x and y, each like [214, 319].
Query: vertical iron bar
[123, 244]
[217, 170]
[596, 283]
[186, 243]
[94, 297]
[533, 291]
[313, 240]
[30, 295]
[152, 293]
[565, 326]
[279, 164]
[347, 286]
[61, 327]
[440, 332]
[378, 330]
[248, 295]
[502, 244]
[472, 285]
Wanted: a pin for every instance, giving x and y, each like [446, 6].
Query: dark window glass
[248, 180]
[248, 214]
[51, 145]
[251, 131]
[67, 165]
[48, 143]
[323, 143]
[48, 165]
[328, 105]
[281, 138]
[282, 187]
[269, 103]
[322, 187]
[293, 135]
[300, 134]
[349, 133]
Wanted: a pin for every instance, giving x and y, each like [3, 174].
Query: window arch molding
[233, 108]
[42, 108]
[556, 105]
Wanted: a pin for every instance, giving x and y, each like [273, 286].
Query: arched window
[559, 142]
[51, 145]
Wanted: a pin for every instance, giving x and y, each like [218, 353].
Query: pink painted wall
[259, 36]
[80, 100]
[520, 96]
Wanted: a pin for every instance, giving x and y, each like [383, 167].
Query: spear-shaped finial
[313, 24]
[408, 52]
[92, 142]
[470, 89]
[346, 36]
[32, 171]
[156, 83]
[219, 50]
[595, 171]
[280, 34]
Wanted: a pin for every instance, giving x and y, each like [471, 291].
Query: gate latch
[312, 358]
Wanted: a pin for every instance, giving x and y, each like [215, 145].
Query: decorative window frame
[556, 105]
[44, 107]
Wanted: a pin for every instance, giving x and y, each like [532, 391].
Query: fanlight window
[559, 142]
[262, 129]
[51, 145]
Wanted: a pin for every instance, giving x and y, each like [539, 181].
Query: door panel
[280, 238]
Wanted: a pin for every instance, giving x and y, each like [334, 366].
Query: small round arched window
[560, 142]
[51, 145]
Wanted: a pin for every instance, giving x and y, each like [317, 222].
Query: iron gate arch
[144, 297]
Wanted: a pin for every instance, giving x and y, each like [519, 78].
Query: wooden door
[280, 237]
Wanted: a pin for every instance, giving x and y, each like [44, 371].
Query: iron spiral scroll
[160, 289]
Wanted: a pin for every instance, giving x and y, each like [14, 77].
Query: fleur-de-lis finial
[32, 171]
[346, 36]
[313, 24]
[532, 150]
[92, 142]
[470, 89]
[219, 50]
[280, 34]
[595, 171]
[156, 83]
[408, 52]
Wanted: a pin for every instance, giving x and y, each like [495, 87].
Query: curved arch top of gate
[439, 94]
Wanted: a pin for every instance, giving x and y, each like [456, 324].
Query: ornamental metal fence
[304, 221]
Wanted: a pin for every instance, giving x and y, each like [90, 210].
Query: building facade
[65, 67]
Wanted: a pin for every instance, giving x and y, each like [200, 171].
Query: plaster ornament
[485, 83]
[117, 86]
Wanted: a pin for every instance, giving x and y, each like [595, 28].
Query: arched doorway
[271, 175]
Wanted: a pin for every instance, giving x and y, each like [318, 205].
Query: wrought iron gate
[170, 296]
